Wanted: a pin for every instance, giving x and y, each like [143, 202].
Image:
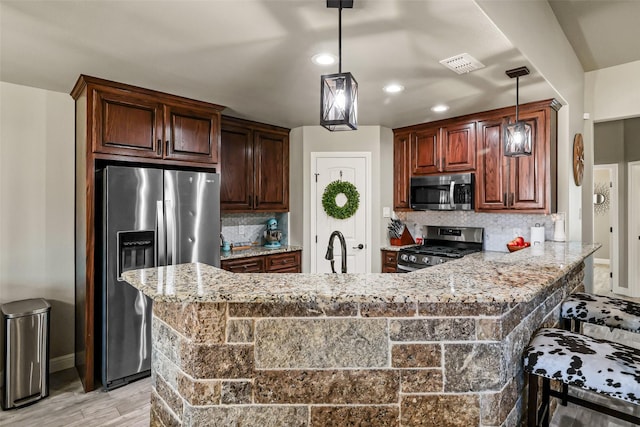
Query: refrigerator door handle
[171, 231]
[162, 237]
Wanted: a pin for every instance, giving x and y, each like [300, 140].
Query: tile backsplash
[253, 225]
[498, 228]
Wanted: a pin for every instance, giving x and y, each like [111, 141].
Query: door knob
[360, 246]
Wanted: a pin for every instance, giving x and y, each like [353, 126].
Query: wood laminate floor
[68, 405]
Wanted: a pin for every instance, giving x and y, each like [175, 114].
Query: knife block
[405, 239]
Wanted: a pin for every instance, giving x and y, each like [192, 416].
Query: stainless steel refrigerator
[150, 217]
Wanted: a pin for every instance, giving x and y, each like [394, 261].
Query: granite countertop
[257, 251]
[483, 277]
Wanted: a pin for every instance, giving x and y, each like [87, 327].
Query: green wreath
[329, 199]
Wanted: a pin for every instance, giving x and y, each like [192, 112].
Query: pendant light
[517, 136]
[339, 92]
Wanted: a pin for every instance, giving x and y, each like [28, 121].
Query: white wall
[307, 139]
[36, 204]
[533, 29]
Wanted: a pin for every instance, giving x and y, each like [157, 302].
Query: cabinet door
[401, 171]
[288, 262]
[126, 124]
[425, 152]
[236, 168]
[271, 168]
[244, 265]
[459, 147]
[192, 134]
[527, 177]
[490, 173]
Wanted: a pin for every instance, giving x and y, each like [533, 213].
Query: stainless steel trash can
[26, 351]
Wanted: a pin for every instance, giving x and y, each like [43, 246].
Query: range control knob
[412, 258]
[404, 257]
[441, 261]
[426, 260]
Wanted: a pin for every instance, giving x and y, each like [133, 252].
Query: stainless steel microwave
[443, 192]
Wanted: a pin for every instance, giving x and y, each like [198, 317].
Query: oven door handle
[405, 269]
[451, 201]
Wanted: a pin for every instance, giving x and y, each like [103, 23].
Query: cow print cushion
[602, 310]
[602, 366]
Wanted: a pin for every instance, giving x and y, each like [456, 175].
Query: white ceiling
[253, 56]
[603, 33]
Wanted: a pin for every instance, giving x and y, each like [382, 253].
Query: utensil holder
[405, 239]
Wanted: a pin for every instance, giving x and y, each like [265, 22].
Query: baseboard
[602, 261]
[61, 363]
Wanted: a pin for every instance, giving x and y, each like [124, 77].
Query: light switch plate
[386, 212]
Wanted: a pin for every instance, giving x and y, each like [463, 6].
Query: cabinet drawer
[283, 261]
[390, 258]
[244, 265]
[389, 261]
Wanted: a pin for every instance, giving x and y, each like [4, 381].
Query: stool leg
[546, 387]
[566, 324]
[533, 401]
[565, 393]
[577, 326]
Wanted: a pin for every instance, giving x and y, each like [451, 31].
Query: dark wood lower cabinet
[287, 262]
[389, 261]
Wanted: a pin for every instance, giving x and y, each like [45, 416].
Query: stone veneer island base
[438, 347]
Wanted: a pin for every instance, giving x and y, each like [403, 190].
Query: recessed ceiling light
[393, 88]
[440, 108]
[324, 59]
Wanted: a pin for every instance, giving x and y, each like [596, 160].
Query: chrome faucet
[343, 251]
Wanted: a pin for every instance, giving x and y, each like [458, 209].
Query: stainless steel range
[441, 244]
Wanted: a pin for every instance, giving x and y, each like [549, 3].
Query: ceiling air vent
[463, 63]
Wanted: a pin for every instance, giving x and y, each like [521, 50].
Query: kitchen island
[438, 347]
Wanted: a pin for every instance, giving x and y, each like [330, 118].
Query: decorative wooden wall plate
[578, 159]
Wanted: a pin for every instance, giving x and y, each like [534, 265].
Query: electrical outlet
[241, 230]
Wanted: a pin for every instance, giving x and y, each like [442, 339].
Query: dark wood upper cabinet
[192, 134]
[518, 184]
[443, 148]
[271, 171]
[254, 163]
[474, 143]
[491, 182]
[236, 167]
[459, 147]
[425, 151]
[128, 123]
[401, 170]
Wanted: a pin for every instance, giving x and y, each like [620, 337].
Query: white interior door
[634, 229]
[353, 168]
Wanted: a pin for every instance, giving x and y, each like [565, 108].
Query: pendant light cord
[517, 96]
[340, 38]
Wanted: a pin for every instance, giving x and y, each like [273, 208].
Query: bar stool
[606, 367]
[600, 310]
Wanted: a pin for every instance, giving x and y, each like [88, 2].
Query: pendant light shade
[339, 96]
[517, 136]
[339, 92]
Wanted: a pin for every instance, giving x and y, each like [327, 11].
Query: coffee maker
[272, 235]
